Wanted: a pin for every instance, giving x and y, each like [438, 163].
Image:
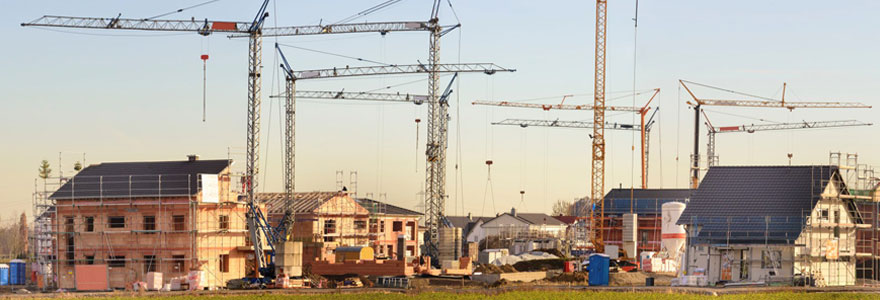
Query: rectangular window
[149, 263]
[397, 226]
[390, 252]
[178, 221]
[90, 259]
[771, 259]
[90, 224]
[224, 263]
[178, 262]
[116, 222]
[823, 214]
[329, 226]
[381, 226]
[836, 216]
[116, 261]
[374, 226]
[224, 222]
[360, 224]
[68, 225]
[329, 239]
[149, 222]
[837, 231]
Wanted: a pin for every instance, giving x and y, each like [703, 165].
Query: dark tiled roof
[463, 221]
[567, 219]
[539, 219]
[755, 204]
[139, 179]
[374, 206]
[644, 201]
[302, 202]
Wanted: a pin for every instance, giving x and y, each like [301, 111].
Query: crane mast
[597, 191]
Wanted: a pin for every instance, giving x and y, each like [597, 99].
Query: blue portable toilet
[4, 274]
[599, 264]
[17, 272]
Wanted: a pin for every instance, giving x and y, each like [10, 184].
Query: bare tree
[562, 207]
[23, 236]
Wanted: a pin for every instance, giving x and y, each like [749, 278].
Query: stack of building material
[630, 229]
[288, 259]
[489, 255]
[154, 281]
[450, 244]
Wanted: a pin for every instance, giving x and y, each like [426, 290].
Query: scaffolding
[811, 248]
[137, 224]
[862, 184]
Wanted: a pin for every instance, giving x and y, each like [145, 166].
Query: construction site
[564, 194]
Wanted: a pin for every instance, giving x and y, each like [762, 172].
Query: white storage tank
[672, 236]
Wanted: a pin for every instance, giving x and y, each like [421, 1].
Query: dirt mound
[508, 269]
[499, 283]
[539, 265]
[576, 277]
[493, 269]
[638, 279]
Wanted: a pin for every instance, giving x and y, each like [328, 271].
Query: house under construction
[169, 217]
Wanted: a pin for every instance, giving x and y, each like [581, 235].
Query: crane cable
[368, 11]
[459, 177]
[180, 10]
[335, 54]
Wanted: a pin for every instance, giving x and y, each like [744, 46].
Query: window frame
[224, 263]
[223, 222]
[178, 225]
[150, 263]
[89, 222]
[116, 261]
[115, 225]
[149, 226]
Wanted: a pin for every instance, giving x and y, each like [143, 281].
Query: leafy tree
[77, 166]
[45, 171]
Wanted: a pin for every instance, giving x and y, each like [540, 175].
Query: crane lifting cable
[180, 10]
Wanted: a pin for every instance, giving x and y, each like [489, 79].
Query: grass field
[529, 295]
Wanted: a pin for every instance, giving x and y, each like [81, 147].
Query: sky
[113, 95]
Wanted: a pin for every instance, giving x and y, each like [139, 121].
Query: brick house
[327, 220]
[138, 217]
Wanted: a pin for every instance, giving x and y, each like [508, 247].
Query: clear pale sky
[131, 96]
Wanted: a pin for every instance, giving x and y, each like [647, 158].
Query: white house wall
[819, 235]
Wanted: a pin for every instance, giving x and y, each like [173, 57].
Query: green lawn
[532, 295]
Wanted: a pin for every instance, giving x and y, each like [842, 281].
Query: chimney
[470, 219]
[192, 157]
[513, 211]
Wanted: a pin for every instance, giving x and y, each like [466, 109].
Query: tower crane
[597, 190]
[642, 111]
[435, 155]
[752, 128]
[765, 102]
[254, 31]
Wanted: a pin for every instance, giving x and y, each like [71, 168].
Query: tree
[23, 235]
[77, 166]
[562, 207]
[45, 171]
